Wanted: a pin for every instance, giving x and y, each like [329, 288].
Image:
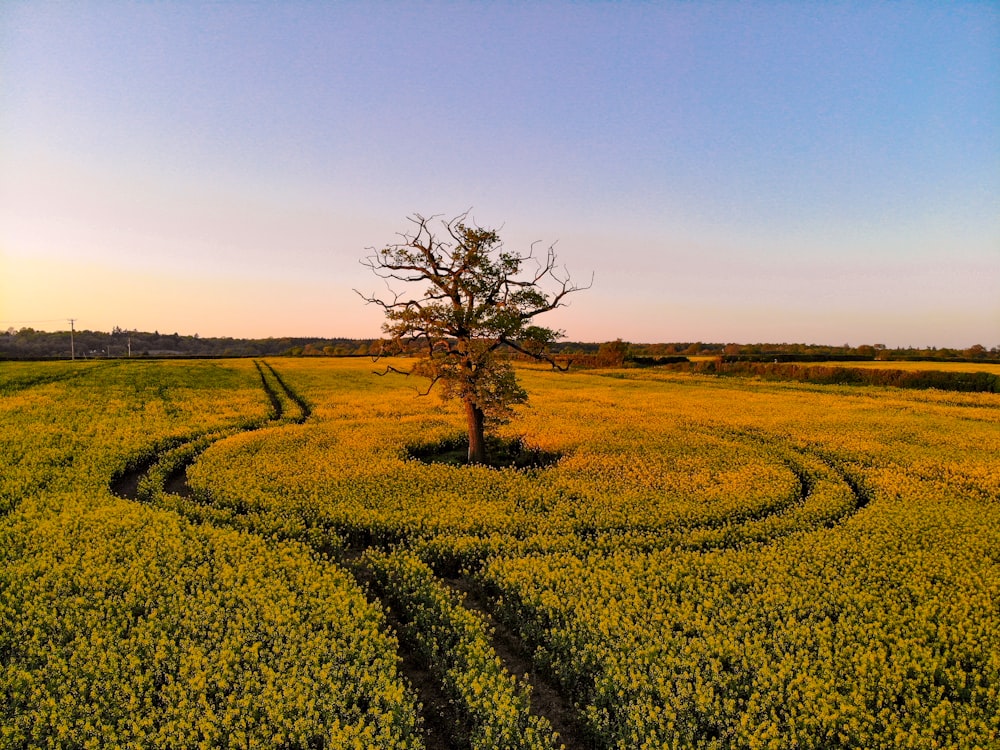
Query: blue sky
[737, 172]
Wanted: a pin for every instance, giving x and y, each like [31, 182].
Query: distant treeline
[28, 343]
[623, 353]
[982, 382]
[645, 354]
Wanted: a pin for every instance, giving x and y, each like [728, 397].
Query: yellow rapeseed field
[711, 563]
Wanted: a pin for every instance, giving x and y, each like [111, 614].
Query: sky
[724, 172]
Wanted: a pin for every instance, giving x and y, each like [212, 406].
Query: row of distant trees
[27, 343]
[812, 352]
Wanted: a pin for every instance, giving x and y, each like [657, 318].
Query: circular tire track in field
[547, 697]
[796, 458]
[277, 410]
[438, 727]
[861, 492]
[515, 653]
[126, 484]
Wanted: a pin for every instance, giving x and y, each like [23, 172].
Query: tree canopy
[466, 300]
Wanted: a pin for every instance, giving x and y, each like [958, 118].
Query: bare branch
[540, 356]
[390, 368]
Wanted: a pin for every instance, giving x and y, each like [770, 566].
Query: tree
[612, 353]
[475, 302]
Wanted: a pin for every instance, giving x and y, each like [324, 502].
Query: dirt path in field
[126, 484]
[437, 715]
[305, 411]
[859, 490]
[546, 698]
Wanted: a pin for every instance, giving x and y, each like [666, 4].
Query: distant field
[943, 366]
[889, 365]
[240, 553]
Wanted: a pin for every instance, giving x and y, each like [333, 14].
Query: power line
[72, 329]
[26, 322]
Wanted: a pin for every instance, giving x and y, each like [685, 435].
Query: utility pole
[72, 347]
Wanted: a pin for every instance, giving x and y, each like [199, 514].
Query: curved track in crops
[127, 484]
[162, 478]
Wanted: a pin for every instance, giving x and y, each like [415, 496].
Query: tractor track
[126, 483]
[441, 728]
[440, 725]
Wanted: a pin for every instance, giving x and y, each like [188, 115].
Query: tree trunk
[477, 438]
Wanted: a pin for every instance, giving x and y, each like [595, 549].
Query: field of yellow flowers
[711, 563]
